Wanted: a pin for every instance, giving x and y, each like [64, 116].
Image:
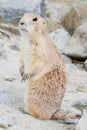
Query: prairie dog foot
[66, 117]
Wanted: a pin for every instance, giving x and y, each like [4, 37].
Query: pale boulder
[11, 119]
[85, 64]
[81, 5]
[60, 37]
[77, 46]
[82, 124]
[55, 13]
[71, 20]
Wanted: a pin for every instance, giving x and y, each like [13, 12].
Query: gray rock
[85, 64]
[2, 32]
[75, 78]
[60, 37]
[71, 20]
[57, 10]
[5, 97]
[7, 121]
[21, 4]
[17, 127]
[82, 124]
[19, 121]
[55, 13]
[82, 9]
[81, 104]
[2, 54]
[1, 129]
[77, 46]
[7, 30]
[67, 59]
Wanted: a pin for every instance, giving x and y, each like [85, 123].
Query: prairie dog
[43, 67]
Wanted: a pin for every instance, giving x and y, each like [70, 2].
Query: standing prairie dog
[43, 67]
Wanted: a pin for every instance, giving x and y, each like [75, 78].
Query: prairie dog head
[32, 24]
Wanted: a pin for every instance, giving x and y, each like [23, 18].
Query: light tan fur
[43, 66]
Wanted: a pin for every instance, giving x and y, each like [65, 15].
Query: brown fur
[44, 69]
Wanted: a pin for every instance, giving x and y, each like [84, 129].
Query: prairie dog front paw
[21, 69]
[27, 76]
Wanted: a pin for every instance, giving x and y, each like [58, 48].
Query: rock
[34, 5]
[14, 47]
[2, 54]
[60, 37]
[81, 104]
[16, 127]
[77, 46]
[42, 7]
[55, 13]
[20, 121]
[1, 129]
[57, 10]
[4, 33]
[75, 78]
[82, 124]
[82, 9]
[7, 30]
[66, 59]
[5, 97]
[10, 79]
[82, 88]
[85, 64]
[3, 41]
[71, 20]
[7, 121]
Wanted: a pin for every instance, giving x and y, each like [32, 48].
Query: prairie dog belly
[43, 97]
[25, 49]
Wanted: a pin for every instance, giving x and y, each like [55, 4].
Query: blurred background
[67, 27]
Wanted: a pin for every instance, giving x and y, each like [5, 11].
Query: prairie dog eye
[35, 19]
